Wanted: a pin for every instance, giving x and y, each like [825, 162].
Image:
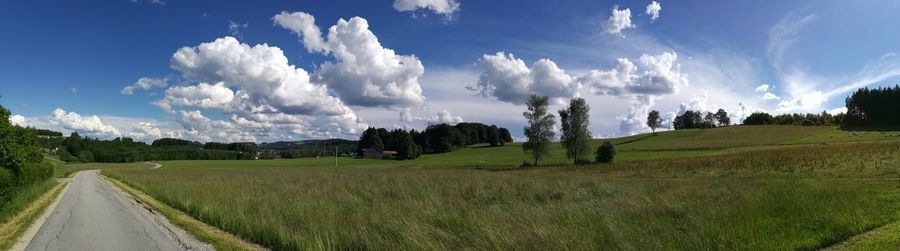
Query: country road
[95, 215]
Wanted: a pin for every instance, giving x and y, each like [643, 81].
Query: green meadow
[732, 188]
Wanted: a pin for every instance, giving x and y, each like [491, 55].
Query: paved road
[94, 215]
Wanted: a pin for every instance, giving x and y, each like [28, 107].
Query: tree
[709, 121]
[575, 138]
[606, 152]
[370, 140]
[762, 118]
[653, 120]
[505, 137]
[540, 127]
[493, 136]
[722, 118]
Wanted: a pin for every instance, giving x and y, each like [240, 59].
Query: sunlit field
[757, 194]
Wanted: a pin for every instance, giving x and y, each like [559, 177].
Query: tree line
[809, 119]
[873, 107]
[437, 138]
[21, 161]
[84, 149]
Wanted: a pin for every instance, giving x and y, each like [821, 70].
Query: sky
[265, 71]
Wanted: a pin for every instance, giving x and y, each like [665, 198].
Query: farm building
[369, 153]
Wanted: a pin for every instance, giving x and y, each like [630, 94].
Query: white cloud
[508, 79]
[255, 85]
[440, 7]
[365, 73]
[770, 96]
[661, 76]
[762, 88]
[304, 25]
[203, 95]
[18, 120]
[145, 131]
[234, 29]
[618, 21]
[835, 111]
[442, 117]
[808, 102]
[87, 125]
[653, 10]
[635, 121]
[145, 84]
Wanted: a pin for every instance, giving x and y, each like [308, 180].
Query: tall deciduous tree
[653, 120]
[540, 127]
[575, 138]
[722, 118]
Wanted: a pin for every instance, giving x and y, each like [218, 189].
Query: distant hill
[285, 145]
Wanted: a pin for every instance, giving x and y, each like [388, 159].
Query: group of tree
[437, 138]
[693, 119]
[21, 162]
[310, 148]
[380, 139]
[809, 119]
[575, 138]
[873, 107]
[84, 149]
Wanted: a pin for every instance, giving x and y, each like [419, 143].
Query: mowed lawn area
[801, 188]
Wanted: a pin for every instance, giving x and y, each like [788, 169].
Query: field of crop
[740, 194]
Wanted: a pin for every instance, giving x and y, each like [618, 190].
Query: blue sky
[407, 64]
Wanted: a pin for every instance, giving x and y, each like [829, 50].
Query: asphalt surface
[94, 215]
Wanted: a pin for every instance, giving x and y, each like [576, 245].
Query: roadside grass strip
[221, 240]
[11, 230]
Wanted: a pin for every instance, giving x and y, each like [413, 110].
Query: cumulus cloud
[618, 21]
[762, 88]
[806, 102]
[440, 7]
[770, 96]
[635, 121]
[653, 10]
[364, 73]
[87, 125]
[443, 116]
[203, 95]
[18, 120]
[304, 25]
[661, 76]
[145, 131]
[254, 86]
[509, 79]
[145, 84]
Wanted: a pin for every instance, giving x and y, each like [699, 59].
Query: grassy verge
[221, 240]
[24, 210]
[792, 198]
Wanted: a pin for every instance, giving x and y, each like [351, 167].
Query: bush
[808, 123]
[64, 155]
[606, 153]
[85, 156]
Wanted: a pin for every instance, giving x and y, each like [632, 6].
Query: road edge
[198, 229]
[26, 237]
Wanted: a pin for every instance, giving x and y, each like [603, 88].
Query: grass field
[794, 191]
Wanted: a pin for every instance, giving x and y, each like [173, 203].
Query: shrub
[606, 152]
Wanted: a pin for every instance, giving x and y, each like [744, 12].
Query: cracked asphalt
[94, 215]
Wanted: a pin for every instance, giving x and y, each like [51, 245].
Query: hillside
[672, 144]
